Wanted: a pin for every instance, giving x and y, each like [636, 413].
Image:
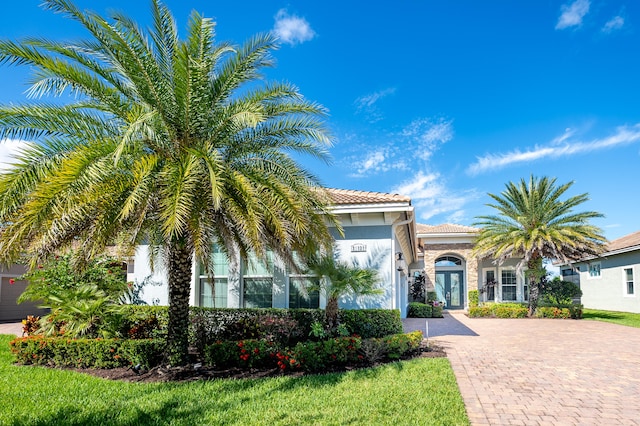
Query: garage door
[9, 308]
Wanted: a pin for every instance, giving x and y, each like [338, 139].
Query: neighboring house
[609, 282]
[10, 290]
[379, 232]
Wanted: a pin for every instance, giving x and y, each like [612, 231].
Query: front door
[450, 288]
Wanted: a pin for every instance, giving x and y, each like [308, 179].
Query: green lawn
[622, 318]
[417, 392]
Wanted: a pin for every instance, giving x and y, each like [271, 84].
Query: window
[213, 296]
[525, 288]
[628, 278]
[448, 261]
[299, 294]
[509, 285]
[490, 284]
[258, 283]
[594, 270]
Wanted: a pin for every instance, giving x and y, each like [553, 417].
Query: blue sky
[441, 101]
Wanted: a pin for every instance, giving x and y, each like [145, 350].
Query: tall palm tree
[176, 143]
[534, 223]
[339, 278]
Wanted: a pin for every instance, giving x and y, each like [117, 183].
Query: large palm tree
[534, 223]
[176, 143]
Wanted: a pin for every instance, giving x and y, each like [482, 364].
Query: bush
[436, 311]
[419, 310]
[499, 310]
[558, 292]
[368, 323]
[87, 353]
[399, 345]
[473, 298]
[564, 311]
[242, 353]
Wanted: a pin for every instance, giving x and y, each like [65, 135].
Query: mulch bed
[189, 373]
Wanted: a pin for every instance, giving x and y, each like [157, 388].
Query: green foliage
[399, 345]
[534, 223]
[432, 296]
[569, 310]
[623, 318]
[474, 299]
[560, 292]
[419, 310]
[83, 296]
[436, 311]
[499, 310]
[42, 396]
[175, 141]
[371, 322]
[242, 353]
[85, 353]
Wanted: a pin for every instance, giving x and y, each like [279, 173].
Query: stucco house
[609, 282]
[379, 231]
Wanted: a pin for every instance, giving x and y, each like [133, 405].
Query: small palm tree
[535, 224]
[338, 278]
[174, 143]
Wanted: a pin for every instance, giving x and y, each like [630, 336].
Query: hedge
[83, 353]
[499, 310]
[419, 310]
[208, 325]
[310, 355]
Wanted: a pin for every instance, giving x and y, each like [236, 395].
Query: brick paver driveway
[544, 371]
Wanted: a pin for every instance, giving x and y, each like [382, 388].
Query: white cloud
[572, 14]
[426, 135]
[430, 196]
[367, 104]
[8, 149]
[377, 161]
[559, 147]
[292, 29]
[615, 23]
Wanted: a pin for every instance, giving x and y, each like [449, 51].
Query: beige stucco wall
[461, 250]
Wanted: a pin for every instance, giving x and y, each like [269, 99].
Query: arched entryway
[449, 281]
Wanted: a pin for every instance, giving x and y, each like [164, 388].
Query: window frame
[626, 282]
[593, 266]
[513, 285]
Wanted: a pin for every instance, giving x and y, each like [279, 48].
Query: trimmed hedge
[419, 310]
[208, 325]
[309, 356]
[83, 353]
[499, 310]
[560, 311]
[474, 299]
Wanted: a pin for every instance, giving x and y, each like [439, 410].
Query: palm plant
[534, 223]
[174, 143]
[338, 278]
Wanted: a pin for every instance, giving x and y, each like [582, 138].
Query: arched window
[448, 261]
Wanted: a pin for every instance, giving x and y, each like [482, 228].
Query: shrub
[473, 298]
[87, 353]
[368, 323]
[499, 310]
[419, 310]
[399, 345]
[432, 296]
[558, 292]
[552, 312]
[243, 353]
[436, 311]
[373, 350]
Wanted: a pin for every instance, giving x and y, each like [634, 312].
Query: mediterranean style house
[608, 282]
[380, 231]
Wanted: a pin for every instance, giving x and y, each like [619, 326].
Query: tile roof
[625, 242]
[348, 196]
[445, 228]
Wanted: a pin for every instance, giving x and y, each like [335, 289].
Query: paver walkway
[11, 328]
[543, 371]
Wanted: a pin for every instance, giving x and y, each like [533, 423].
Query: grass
[418, 392]
[622, 318]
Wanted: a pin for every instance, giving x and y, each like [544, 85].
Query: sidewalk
[11, 328]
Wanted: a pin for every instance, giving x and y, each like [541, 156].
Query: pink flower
[12, 281]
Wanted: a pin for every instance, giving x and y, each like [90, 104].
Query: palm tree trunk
[536, 272]
[180, 264]
[331, 312]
